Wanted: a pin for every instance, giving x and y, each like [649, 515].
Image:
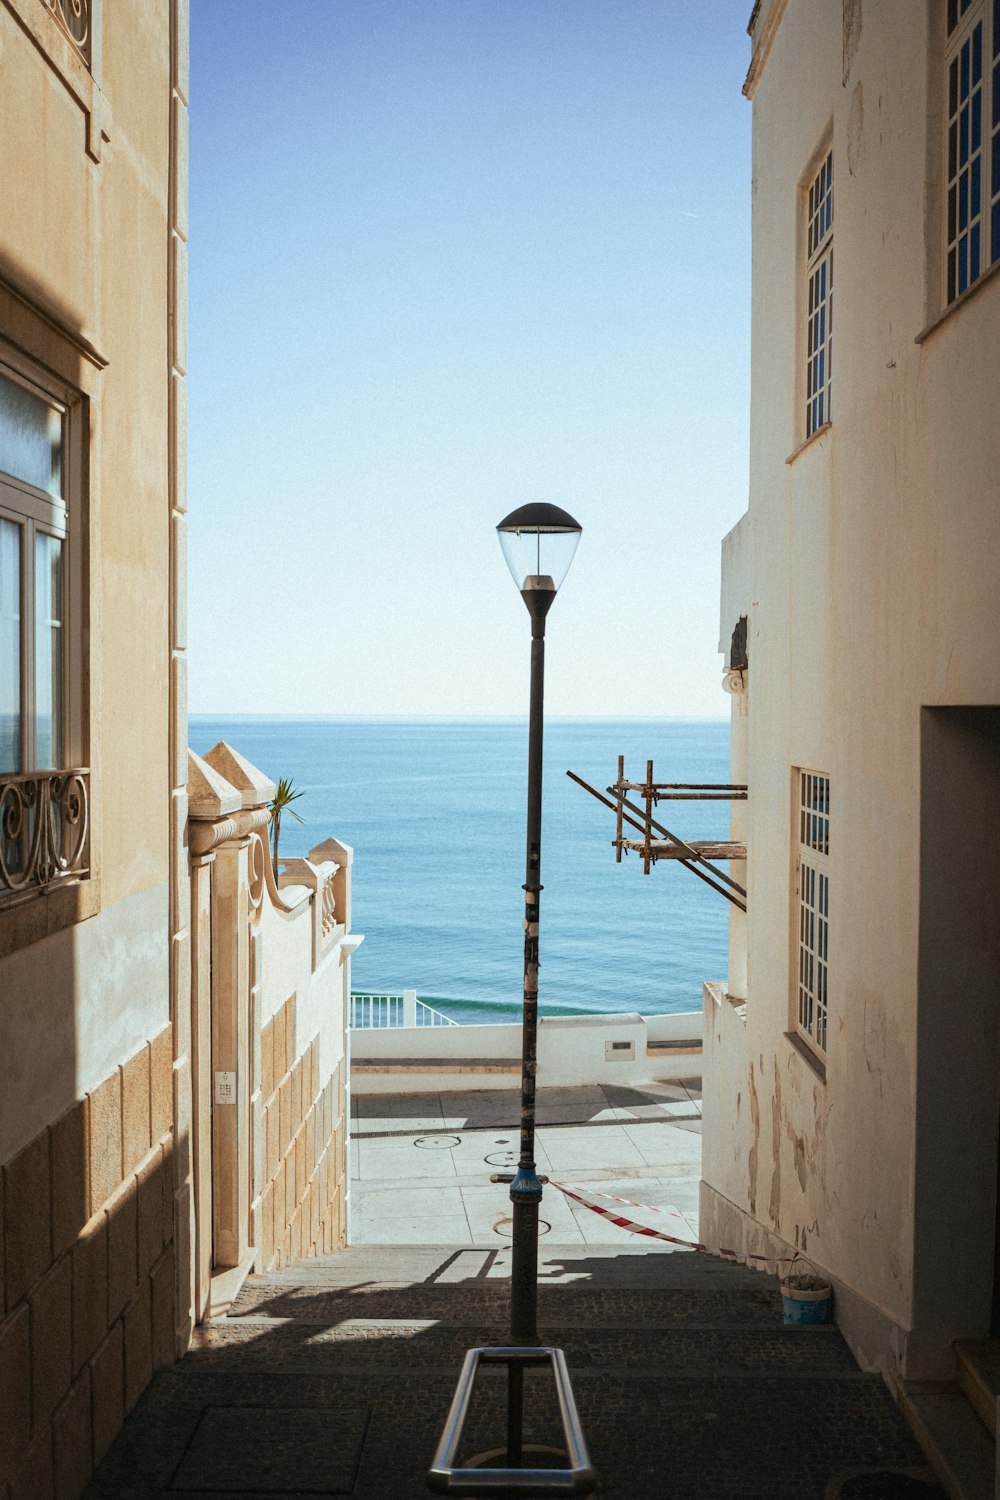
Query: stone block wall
[299, 1213]
[87, 1282]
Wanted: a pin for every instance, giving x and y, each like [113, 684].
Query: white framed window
[819, 297]
[812, 838]
[972, 142]
[33, 542]
[44, 795]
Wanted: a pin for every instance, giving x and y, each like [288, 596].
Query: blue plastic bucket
[806, 1300]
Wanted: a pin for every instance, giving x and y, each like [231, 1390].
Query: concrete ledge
[436, 1065]
[226, 1286]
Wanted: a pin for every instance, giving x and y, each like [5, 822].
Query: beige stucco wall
[93, 977]
[874, 566]
[301, 1185]
[113, 971]
[91, 250]
[94, 246]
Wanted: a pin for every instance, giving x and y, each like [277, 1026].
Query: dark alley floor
[334, 1378]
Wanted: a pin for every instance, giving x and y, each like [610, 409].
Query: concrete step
[355, 1344]
[979, 1377]
[465, 1305]
[558, 1265]
[953, 1438]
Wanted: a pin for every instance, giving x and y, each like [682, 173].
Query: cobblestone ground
[334, 1378]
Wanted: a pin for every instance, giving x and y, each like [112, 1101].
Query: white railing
[374, 1012]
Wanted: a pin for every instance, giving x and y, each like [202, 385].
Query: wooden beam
[666, 849]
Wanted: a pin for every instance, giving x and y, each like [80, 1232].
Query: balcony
[44, 831]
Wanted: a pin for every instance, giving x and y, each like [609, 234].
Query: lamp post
[538, 542]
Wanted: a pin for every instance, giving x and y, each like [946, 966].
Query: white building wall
[875, 563]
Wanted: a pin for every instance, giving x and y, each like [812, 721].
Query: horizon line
[364, 718]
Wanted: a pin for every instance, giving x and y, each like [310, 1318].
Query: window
[32, 591]
[43, 791]
[819, 299]
[972, 145]
[813, 840]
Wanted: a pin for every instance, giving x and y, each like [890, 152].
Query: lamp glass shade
[538, 544]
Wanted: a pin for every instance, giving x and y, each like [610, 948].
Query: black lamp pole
[526, 1190]
[538, 542]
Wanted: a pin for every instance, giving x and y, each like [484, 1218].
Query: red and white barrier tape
[658, 1234]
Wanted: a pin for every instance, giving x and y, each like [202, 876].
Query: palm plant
[284, 795]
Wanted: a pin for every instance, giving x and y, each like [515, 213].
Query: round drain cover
[888, 1484]
[438, 1142]
[505, 1227]
[500, 1159]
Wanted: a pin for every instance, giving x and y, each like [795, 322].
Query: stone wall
[87, 1276]
[300, 1211]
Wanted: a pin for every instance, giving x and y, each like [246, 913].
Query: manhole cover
[505, 1227]
[438, 1142]
[500, 1159]
[887, 1484]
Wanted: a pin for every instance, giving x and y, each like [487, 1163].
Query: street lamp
[538, 542]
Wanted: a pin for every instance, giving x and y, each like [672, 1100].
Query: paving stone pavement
[333, 1378]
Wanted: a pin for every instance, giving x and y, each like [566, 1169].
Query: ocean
[435, 812]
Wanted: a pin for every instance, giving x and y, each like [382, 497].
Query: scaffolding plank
[667, 849]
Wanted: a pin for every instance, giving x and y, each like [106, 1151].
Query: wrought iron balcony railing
[44, 830]
[73, 17]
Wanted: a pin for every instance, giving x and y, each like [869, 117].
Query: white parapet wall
[623, 1048]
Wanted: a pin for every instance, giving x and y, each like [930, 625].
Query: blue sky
[448, 256]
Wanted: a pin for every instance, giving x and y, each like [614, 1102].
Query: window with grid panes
[33, 577]
[972, 142]
[813, 907]
[819, 297]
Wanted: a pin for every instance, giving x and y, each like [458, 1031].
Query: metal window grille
[819, 283]
[972, 142]
[74, 20]
[813, 907]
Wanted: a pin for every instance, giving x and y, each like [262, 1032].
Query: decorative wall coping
[228, 801]
[218, 812]
[255, 789]
[332, 849]
[210, 795]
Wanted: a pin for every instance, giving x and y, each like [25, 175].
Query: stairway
[956, 1424]
[334, 1378]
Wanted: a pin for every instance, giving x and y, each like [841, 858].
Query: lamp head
[538, 543]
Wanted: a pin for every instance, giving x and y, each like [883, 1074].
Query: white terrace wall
[573, 1051]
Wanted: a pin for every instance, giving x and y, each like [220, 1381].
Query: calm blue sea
[435, 811]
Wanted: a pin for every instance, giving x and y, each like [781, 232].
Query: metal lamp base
[448, 1477]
